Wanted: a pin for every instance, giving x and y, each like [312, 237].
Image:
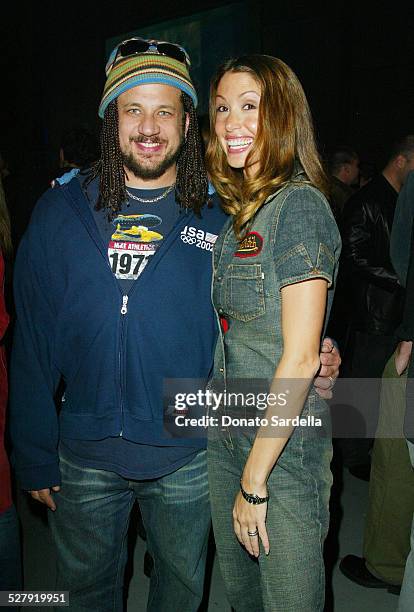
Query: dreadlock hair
[192, 182]
[191, 185]
[110, 166]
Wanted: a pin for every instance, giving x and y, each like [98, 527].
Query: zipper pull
[124, 308]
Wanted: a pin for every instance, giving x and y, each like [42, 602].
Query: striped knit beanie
[141, 68]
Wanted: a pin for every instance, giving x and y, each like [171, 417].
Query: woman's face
[237, 112]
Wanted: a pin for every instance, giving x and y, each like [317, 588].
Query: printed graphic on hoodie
[132, 244]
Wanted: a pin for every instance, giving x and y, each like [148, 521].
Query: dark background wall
[355, 61]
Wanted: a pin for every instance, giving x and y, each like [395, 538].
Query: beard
[145, 172]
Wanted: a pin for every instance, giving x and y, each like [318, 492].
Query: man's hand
[402, 356]
[329, 371]
[44, 496]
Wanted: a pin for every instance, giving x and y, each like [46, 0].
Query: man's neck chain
[151, 200]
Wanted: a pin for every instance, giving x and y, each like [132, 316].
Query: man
[113, 295]
[344, 171]
[391, 494]
[78, 149]
[370, 285]
[343, 168]
[402, 256]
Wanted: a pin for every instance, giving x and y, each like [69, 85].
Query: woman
[274, 269]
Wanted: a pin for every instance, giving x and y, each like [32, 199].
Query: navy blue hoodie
[113, 352]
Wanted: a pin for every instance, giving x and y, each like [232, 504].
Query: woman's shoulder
[304, 212]
[302, 193]
[297, 202]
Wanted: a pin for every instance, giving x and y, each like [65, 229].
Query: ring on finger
[332, 381]
[252, 534]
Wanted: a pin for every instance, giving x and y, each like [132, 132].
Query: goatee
[142, 171]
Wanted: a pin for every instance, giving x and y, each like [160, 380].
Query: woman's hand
[251, 518]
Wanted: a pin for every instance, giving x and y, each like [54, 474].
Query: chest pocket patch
[244, 292]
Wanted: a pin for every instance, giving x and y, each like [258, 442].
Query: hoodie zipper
[124, 311]
[124, 308]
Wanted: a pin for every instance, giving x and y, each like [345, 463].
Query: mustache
[153, 140]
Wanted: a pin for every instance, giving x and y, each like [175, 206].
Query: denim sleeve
[307, 241]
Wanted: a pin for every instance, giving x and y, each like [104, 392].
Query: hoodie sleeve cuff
[35, 478]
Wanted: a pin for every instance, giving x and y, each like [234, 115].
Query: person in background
[10, 557]
[391, 493]
[367, 171]
[370, 286]
[79, 149]
[402, 248]
[344, 173]
[275, 265]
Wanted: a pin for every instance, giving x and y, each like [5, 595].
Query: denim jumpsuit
[293, 238]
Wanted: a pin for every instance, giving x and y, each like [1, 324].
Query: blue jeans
[10, 557]
[405, 603]
[292, 576]
[90, 528]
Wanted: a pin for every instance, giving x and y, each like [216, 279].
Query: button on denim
[90, 527]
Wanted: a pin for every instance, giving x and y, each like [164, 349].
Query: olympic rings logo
[188, 239]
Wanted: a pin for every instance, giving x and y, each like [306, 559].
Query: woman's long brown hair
[284, 134]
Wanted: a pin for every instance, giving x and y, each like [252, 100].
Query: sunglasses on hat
[134, 46]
